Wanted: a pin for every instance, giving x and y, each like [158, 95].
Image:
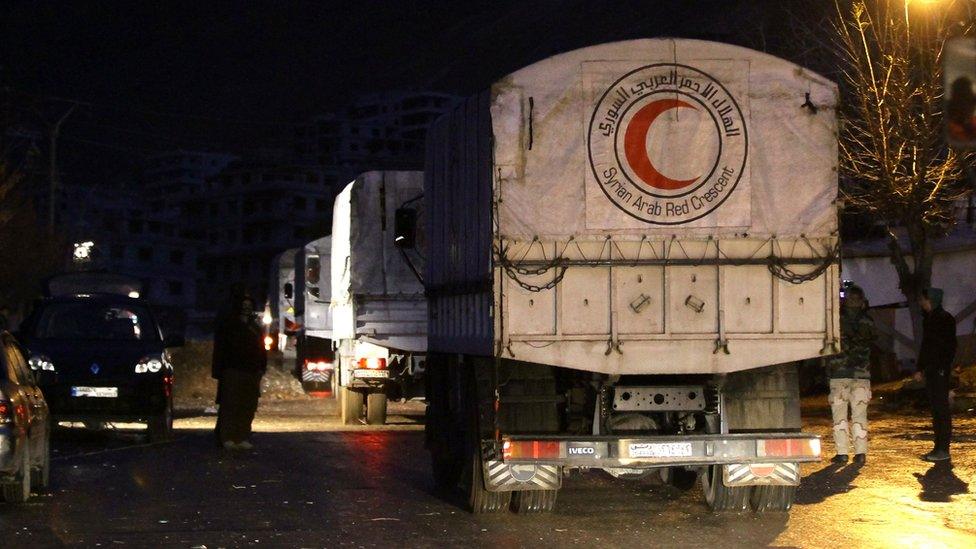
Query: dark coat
[238, 344]
[938, 347]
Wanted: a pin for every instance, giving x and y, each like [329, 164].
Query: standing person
[239, 362]
[935, 357]
[850, 378]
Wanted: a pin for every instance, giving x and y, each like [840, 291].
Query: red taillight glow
[530, 449]
[6, 412]
[268, 343]
[372, 363]
[318, 365]
[788, 447]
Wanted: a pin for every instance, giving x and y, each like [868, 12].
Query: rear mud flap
[761, 474]
[503, 477]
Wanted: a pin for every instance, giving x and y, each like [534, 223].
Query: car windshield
[89, 320]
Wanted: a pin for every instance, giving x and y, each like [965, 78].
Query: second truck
[630, 245]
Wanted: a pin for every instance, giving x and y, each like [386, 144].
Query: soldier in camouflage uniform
[850, 378]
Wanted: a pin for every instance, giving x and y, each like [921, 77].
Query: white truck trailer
[629, 246]
[281, 313]
[379, 311]
[314, 365]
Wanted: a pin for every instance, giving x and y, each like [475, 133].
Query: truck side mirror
[405, 228]
[289, 290]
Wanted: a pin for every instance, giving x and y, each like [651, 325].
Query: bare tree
[896, 167]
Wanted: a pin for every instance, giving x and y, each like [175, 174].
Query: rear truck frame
[507, 433]
[378, 306]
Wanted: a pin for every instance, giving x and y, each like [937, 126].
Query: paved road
[309, 484]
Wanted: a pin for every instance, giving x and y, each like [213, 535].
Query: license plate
[95, 392]
[371, 373]
[659, 449]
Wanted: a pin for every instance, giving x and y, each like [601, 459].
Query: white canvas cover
[663, 136]
[375, 295]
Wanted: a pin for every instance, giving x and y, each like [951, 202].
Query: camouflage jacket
[856, 337]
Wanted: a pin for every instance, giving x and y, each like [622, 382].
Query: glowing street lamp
[83, 251]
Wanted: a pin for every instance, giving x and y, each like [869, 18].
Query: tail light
[6, 412]
[168, 385]
[530, 449]
[268, 343]
[788, 447]
[318, 365]
[372, 363]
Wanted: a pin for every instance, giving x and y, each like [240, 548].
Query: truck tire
[479, 498]
[720, 497]
[19, 490]
[376, 408]
[772, 498]
[533, 501]
[351, 406]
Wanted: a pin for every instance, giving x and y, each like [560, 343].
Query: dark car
[25, 433]
[102, 358]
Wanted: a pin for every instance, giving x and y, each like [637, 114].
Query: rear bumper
[647, 452]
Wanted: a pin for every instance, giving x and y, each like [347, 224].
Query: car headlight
[41, 363]
[149, 364]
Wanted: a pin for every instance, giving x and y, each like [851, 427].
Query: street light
[83, 251]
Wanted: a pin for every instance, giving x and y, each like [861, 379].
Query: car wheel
[19, 490]
[40, 477]
[161, 426]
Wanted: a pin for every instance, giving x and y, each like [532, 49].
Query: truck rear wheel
[479, 498]
[533, 501]
[720, 497]
[351, 406]
[376, 408]
[772, 498]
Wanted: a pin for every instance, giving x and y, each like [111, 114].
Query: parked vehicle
[631, 297]
[379, 312]
[316, 354]
[101, 357]
[282, 314]
[25, 428]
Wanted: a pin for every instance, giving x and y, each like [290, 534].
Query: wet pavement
[310, 483]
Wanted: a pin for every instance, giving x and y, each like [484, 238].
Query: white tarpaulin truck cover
[611, 206]
[376, 297]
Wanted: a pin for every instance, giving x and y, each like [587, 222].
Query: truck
[281, 315]
[314, 364]
[379, 310]
[630, 246]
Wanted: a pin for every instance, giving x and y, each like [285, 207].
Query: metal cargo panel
[459, 183]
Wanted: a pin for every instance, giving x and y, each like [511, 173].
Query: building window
[176, 257]
[145, 254]
[175, 287]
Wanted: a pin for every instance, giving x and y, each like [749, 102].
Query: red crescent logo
[635, 144]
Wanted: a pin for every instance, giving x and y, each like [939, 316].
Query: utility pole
[55, 182]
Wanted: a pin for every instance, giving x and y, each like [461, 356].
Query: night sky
[236, 75]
